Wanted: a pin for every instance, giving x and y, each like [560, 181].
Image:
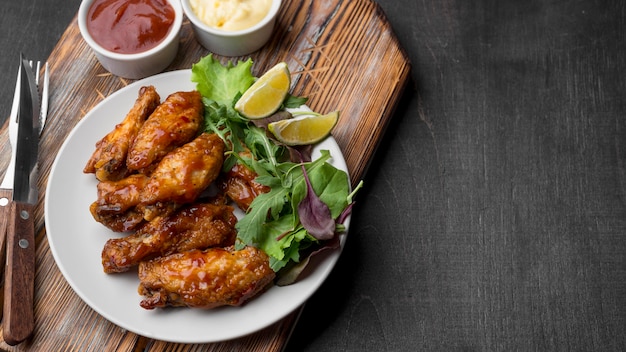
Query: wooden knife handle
[6, 198]
[19, 286]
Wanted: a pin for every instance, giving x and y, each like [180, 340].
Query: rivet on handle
[23, 243]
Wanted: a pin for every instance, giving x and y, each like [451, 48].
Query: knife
[18, 322]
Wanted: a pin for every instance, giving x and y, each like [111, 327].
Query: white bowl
[140, 65]
[233, 43]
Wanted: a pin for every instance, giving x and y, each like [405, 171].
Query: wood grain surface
[493, 213]
[343, 55]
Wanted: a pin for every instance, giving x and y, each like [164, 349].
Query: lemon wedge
[266, 94]
[305, 129]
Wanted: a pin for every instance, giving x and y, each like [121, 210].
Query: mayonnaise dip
[231, 15]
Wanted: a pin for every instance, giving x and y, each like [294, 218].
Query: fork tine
[37, 72]
[7, 181]
[44, 98]
[16, 97]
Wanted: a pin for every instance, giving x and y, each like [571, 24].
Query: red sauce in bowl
[129, 26]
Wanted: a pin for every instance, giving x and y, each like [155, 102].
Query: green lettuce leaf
[221, 83]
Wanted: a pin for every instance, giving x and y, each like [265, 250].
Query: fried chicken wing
[129, 220]
[180, 178]
[204, 279]
[175, 122]
[108, 161]
[238, 184]
[196, 226]
[116, 197]
[116, 204]
[186, 172]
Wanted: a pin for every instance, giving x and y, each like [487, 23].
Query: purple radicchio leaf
[300, 153]
[277, 116]
[314, 214]
[345, 213]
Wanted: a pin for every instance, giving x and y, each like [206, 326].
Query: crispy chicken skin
[196, 226]
[108, 161]
[204, 279]
[175, 122]
[186, 172]
[238, 185]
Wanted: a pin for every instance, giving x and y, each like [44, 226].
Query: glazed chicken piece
[116, 197]
[179, 179]
[116, 202]
[238, 184]
[186, 172]
[204, 279]
[196, 226]
[175, 122]
[123, 222]
[108, 161]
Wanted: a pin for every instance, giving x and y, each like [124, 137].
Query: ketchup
[129, 26]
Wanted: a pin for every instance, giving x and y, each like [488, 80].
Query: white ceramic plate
[76, 241]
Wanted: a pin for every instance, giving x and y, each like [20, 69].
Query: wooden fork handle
[19, 286]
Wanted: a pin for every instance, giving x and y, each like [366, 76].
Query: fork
[6, 187]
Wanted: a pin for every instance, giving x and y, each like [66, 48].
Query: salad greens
[307, 202]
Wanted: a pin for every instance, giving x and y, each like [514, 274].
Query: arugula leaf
[251, 228]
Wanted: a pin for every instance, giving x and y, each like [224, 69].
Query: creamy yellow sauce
[231, 15]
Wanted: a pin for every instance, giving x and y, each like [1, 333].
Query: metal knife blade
[18, 322]
[27, 148]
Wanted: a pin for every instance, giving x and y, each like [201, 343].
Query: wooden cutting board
[343, 55]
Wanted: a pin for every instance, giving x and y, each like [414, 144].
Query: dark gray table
[493, 217]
